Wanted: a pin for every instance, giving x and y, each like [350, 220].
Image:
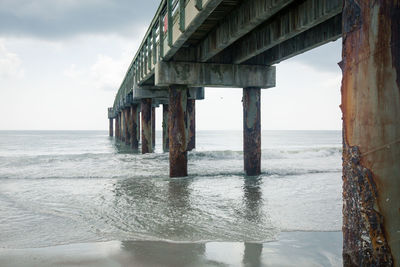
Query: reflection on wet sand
[148, 253]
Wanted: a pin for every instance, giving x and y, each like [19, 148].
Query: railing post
[182, 15]
[170, 21]
[154, 46]
[199, 4]
[149, 56]
[161, 38]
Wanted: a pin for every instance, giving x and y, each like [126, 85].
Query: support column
[251, 131]
[111, 129]
[165, 128]
[191, 127]
[153, 126]
[120, 125]
[135, 127]
[117, 127]
[371, 133]
[127, 126]
[177, 121]
[146, 126]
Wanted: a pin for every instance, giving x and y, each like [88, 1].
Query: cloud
[323, 58]
[51, 19]
[105, 74]
[10, 64]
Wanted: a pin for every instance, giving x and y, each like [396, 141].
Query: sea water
[69, 187]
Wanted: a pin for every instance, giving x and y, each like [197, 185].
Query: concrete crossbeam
[161, 93]
[242, 20]
[286, 25]
[321, 34]
[214, 75]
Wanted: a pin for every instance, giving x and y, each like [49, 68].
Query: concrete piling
[153, 127]
[165, 128]
[251, 131]
[191, 125]
[127, 125]
[177, 121]
[111, 128]
[147, 146]
[135, 127]
[371, 132]
[117, 127]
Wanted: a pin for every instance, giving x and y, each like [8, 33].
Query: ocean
[84, 190]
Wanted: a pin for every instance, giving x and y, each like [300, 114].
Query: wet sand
[290, 249]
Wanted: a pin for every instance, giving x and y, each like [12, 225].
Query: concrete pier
[191, 124]
[135, 137]
[371, 133]
[165, 128]
[147, 146]
[177, 120]
[251, 131]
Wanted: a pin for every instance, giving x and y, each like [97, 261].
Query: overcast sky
[62, 61]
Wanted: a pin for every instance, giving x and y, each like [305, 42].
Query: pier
[192, 44]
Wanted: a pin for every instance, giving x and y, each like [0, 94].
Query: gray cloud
[54, 19]
[323, 58]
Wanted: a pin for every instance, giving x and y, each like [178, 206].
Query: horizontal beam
[286, 25]
[242, 20]
[196, 93]
[213, 75]
[323, 33]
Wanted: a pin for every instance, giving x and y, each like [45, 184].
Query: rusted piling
[147, 146]
[111, 128]
[177, 121]
[191, 125]
[371, 133]
[165, 128]
[251, 131]
[117, 127]
[123, 125]
[127, 125]
[134, 129]
[153, 126]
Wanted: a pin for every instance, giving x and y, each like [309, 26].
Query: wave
[277, 153]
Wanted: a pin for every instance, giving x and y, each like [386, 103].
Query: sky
[62, 61]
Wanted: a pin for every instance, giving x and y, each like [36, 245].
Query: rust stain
[191, 111]
[365, 242]
[165, 128]
[177, 121]
[127, 126]
[146, 126]
[134, 134]
[153, 126]
[371, 111]
[251, 131]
